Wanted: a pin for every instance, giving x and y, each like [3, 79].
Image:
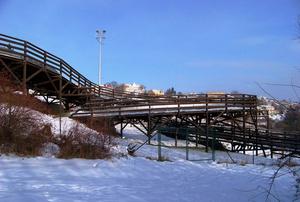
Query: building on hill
[215, 94]
[155, 92]
[134, 88]
[271, 109]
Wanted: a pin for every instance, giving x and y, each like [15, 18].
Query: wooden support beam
[149, 126]
[52, 82]
[33, 75]
[133, 124]
[9, 70]
[45, 82]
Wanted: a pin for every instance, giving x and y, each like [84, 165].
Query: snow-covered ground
[141, 178]
[135, 179]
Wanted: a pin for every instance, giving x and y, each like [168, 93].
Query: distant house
[134, 88]
[155, 92]
[108, 85]
[215, 94]
[271, 109]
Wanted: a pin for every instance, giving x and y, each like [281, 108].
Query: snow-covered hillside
[127, 178]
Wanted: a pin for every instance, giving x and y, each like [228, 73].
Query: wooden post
[186, 145]
[244, 126]
[60, 95]
[149, 126]
[256, 133]
[197, 132]
[24, 69]
[213, 146]
[232, 134]
[269, 134]
[176, 137]
[121, 130]
[206, 124]
[226, 103]
[159, 146]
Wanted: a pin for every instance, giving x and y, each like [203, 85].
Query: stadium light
[100, 38]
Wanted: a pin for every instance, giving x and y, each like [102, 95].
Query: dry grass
[84, 143]
[21, 131]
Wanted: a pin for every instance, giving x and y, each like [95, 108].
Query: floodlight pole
[100, 38]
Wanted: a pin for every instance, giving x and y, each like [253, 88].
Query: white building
[271, 109]
[155, 92]
[134, 88]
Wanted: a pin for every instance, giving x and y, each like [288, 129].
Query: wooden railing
[261, 139]
[117, 100]
[171, 104]
[24, 50]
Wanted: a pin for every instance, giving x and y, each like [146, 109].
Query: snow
[277, 117]
[66, 123]
[134, 179]
[142, 178]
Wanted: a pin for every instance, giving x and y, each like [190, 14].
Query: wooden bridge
[234, 118]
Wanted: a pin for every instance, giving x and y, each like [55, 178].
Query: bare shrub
[32, 144]
[101, 125]
[21, 130]
[291, 168]
[83, 143]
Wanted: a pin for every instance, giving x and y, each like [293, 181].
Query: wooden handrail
[46, 59]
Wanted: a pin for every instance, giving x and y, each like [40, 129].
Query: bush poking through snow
[21, 131]
[80, 142]
[99, 124]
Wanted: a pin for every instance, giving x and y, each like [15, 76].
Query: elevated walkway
[235, 116]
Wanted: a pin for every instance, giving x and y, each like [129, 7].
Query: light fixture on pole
[100, 38]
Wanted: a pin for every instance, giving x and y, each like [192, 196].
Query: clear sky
[194, 46]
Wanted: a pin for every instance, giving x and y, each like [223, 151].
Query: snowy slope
[138, 178]
[127, 178]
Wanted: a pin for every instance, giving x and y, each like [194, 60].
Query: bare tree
[170, 91]
[113, 84]
[291, 121]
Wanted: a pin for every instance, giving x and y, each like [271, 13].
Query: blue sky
[194, 46]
